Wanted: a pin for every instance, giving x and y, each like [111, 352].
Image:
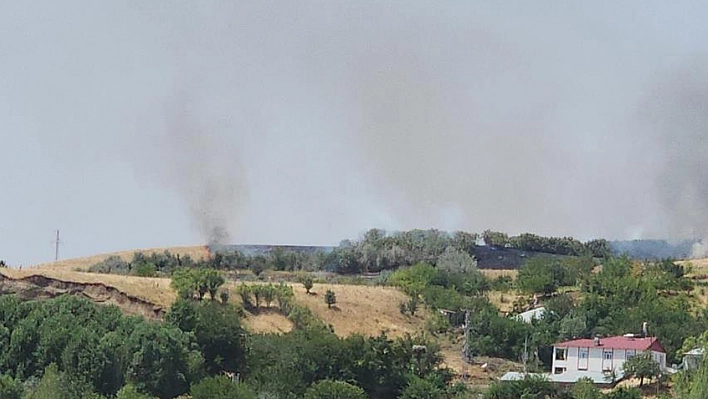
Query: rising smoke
[469, 117]
[678, 116]
[201, 164]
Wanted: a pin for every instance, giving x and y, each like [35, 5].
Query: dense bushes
[92, 349]
[288, 365]
[553, 245]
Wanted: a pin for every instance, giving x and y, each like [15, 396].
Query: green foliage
[495, 238]
[131, 392]
[146, 270]
[585, 389]
[413, 280]
[330, 298]
[424, 388]
[530, 387]
[187, 282]
[641, 366]
[329, 389]
[540, 275]
[221, 387]
[158, 360]
[495, 336]
[625, 393]
[217, 330]
[307, 282]
[454, 260]
[56, 384]
[10, 388]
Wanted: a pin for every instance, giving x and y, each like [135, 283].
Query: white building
[599, 358]
[530, 315]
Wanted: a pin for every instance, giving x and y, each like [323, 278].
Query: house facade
[601, 357]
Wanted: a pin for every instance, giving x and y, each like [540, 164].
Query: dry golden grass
[195, 252]
[361, 309]
[503, 300]
[268, 322]
[494, 273]
[154, 290]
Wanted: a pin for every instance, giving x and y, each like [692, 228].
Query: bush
[330, 298]
[221, 387]
[146, 270]
[307, 282]
[329, 389]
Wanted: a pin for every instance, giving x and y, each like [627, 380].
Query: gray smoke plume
[678, 116]
[200, 162]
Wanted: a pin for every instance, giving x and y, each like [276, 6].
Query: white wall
[596, 357]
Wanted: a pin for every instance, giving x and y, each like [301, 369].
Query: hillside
[83, 263]
[360, 309]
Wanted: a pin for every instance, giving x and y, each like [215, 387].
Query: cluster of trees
[70, 348]
[599, 248]
[614, 301]
[190, 282]
[377, 250]
[537, 388]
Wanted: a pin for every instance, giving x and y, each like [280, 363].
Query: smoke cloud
[678, 122]
[310, 122]
[457, 119]
[202, 165]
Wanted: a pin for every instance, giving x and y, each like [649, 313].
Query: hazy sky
[141, 124]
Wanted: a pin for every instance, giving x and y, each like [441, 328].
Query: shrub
[330, 298]
[328, 389]
[146, 270]
[221, 387]
[307, 282]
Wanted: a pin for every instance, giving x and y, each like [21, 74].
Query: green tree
[539, 275]
[158, 360]
[131, 392]
[585, 389]
[642, 366]
[330, 298]
[456, 261]
[423, 388]
[329, 389]
[221, 387]
[10, 388]
[146, 270]
[625, 393]
[213, 280]
[59, 385]
[307, 282]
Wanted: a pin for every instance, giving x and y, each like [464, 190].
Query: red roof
[619, 342]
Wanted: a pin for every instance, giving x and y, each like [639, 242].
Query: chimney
[645, 332]
[596, 340]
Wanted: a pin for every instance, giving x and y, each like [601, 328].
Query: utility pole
[467, 353]
[56, 247]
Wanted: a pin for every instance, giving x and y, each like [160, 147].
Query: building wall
[596, 359]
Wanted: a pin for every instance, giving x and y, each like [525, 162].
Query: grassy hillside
[195, 252]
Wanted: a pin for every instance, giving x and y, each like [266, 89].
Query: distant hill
[653, 249]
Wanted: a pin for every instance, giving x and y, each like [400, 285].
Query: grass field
[360, 309]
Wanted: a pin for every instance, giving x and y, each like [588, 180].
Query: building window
[607, 354]
[583, 353]
[559, 370]
[560, 353]
[631, 353]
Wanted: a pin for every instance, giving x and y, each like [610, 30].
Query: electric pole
[56, 247]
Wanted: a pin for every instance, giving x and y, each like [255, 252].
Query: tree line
[375, 251]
